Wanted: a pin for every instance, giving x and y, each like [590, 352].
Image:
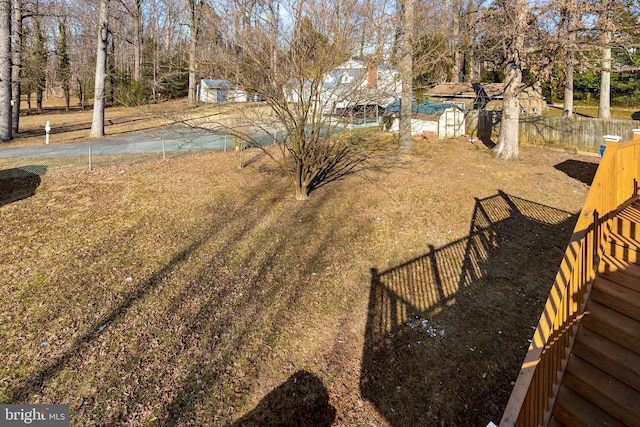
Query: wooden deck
[601, 383]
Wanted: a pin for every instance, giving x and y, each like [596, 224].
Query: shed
[211, 91]
[443, 119]
[487, 96]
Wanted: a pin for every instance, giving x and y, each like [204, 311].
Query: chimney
[372, 76]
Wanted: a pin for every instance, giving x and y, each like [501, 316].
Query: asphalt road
[155, 141]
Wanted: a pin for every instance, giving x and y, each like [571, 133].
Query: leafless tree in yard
[5, 71]
[97, 124]
[17, 65]
[134, 9]
[195, 9]
[290, 61]
[515, 13]
[406, 70]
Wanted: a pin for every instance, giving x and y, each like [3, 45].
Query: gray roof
[217, 84]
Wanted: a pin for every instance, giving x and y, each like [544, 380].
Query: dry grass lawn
[188, 292]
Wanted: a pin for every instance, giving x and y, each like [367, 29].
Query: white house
[354, 86]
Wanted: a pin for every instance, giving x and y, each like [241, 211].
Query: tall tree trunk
[406, 72]
[80, 93]
[469, 60]
[604, 111]
[455, 38]
[97, 125]
[568, 87]
[137, 41]
[5, 71]
[507, 147]
[16, 70]
[194, 6]
[569, 66]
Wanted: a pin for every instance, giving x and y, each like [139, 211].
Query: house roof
[468, 90]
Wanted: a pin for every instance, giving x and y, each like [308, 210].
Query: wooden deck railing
[615, 183]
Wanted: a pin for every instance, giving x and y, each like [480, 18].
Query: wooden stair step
[626, 221]
[624, 226]
[571, 409]
[622, 240]
[620, 271]
[616, 360]
[610, 395]
[554, 423]
[618, 249]
[631, 212]
[613, 325]
[614, 295]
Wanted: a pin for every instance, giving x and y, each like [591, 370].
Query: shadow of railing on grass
[440, 324]
[20, 183]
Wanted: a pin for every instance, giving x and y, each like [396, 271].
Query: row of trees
[133, 51]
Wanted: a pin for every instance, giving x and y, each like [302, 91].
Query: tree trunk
[406, 72]
[568, 70]
[81, 93]
[568, 89]
[5, 71]
[469, 60]
[455, 39]
[97, 125]
[300, 180]
[193, 30]
[137, 41]
[16, 71]
[507, 147]
[604, 111]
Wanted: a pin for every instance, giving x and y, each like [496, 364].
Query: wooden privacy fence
[576, 133]
[615, 182]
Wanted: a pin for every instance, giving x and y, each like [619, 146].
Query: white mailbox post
[47, 128]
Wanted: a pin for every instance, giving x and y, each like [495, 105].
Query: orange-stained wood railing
[615, 183]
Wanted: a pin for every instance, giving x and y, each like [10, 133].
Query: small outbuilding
[446, 120]
[212, 91]
[486, 96]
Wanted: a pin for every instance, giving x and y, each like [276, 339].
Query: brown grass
[617, 113]
[188, 292]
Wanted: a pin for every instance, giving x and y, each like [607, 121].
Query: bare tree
[5, 71]
[134, 10]
[195, 12]
[97, 124]
[299, 67]
[516, 13]
[604, 110]
[17, 65]
[406, 70]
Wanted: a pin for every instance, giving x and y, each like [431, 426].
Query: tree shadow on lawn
[302, 400]
[447, 331]
[84, 126]
[20, 183]
[24, 390]
[582, 171]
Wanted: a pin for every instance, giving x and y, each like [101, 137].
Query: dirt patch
[188, 292]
